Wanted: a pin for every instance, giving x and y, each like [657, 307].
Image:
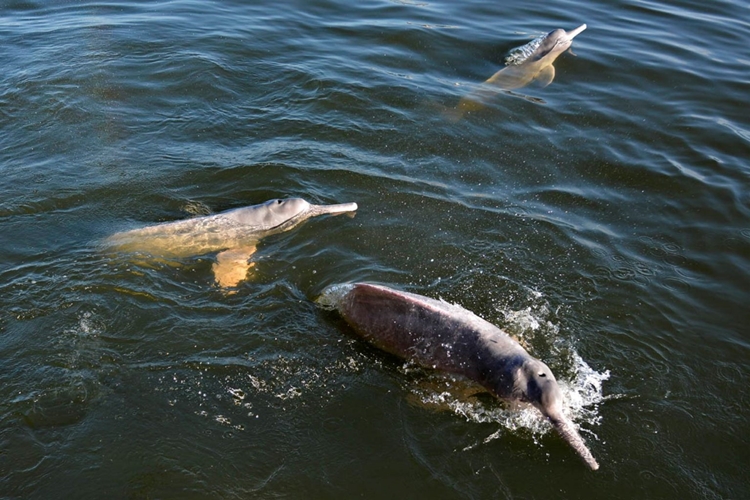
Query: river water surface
[605, 221]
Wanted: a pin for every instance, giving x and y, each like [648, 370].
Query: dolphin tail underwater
[234, 234]
[447, 337]
[529, 63]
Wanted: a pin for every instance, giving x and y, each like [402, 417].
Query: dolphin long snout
[332, 209]
[568, 432]
[573, 33]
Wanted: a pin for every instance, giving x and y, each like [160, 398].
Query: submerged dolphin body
[523, 65]
[436, 334]
[233, 234]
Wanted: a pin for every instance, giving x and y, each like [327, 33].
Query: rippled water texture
[604, 220]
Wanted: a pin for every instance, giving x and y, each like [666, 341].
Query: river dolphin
[439, 335]
[233, 234]
[523, 65]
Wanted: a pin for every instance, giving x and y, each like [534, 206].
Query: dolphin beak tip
[349, 207]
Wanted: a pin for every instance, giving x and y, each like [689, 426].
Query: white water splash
[583, 393]
[522, 320]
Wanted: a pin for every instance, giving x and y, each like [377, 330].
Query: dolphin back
[432, 333]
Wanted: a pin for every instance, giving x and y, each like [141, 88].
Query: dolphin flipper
[546, 76]
[535, 100]
[231, 266]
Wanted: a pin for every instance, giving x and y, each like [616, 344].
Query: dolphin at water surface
[233, 234]
[447, 337]
[529, 63]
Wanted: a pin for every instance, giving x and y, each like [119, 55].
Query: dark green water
[609, 228]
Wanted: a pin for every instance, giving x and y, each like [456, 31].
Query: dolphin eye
[278, 201]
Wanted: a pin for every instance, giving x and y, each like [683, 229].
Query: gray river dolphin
[532, 62]
[233, 234]
[439, 335]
